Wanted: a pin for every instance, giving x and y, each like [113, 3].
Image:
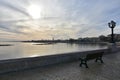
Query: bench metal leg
[100, 59]
[83, 62]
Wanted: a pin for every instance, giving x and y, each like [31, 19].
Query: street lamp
[112, 25]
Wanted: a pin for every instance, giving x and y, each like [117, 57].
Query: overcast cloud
[61, 19]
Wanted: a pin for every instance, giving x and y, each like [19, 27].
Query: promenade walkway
[110, 70]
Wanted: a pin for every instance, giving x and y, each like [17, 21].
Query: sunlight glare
[34, 11]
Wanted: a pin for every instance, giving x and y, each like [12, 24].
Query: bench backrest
[94, 55]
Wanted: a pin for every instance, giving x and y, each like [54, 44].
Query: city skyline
[61, 19]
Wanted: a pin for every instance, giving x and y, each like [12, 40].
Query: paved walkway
[110, 70]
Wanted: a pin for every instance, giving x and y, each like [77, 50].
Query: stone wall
[28, 63]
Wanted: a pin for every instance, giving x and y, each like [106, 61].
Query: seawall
[33, 62]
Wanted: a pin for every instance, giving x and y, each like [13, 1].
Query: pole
[112, 36]
[112, 25]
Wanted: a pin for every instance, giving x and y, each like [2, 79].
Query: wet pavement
[109, 70]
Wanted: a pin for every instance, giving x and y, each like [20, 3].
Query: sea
[17, 50]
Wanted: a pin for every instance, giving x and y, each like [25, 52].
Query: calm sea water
[22, 50]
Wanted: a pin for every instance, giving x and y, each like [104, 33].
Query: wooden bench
[97, 56]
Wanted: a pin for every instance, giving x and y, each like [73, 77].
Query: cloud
[12, 28]
[60, 18]
[12, 7]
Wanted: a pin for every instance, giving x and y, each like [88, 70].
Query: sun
[34, 11]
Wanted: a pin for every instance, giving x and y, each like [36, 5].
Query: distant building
[116, 37]
[89, 39]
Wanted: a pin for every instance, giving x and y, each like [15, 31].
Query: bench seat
[97, 56]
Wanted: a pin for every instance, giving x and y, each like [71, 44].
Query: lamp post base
[112, 47]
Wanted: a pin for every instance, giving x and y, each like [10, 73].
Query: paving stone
[109, 70]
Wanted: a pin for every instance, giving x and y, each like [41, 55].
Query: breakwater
[33, 62]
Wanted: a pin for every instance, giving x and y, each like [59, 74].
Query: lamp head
[112, 24]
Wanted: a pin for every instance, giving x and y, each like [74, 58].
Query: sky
[58, 19]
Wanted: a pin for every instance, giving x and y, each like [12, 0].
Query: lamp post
[112, 25]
